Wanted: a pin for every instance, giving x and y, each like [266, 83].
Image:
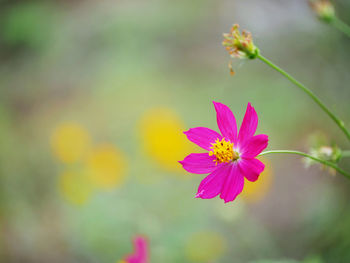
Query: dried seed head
[240, 45]
[324, 10]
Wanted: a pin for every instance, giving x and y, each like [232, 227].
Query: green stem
[339, 122]
[345, 154]
[341, 26]
[330, 164]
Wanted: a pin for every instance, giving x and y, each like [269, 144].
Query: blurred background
[94, 96]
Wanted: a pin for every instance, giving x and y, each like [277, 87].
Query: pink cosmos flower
[230, 157]
[140, 254]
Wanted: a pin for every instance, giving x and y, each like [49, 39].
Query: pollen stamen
[223, 151]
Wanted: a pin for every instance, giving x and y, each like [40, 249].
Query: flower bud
[240, 45]
[324, 10]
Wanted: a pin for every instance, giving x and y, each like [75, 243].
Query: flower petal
[226, 121]
[233, 185]
[251, 168]
[202, 136]
[254, 146]
[211, 185]
[199, 163]
[249, 124]
[140, 254]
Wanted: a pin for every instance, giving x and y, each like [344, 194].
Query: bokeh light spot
[70, 142]
[205, 247]
[107, 166]
[161, 131]
[75, 187]
[230, 213]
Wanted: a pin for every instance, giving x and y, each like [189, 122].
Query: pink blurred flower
[230, 157]
[140, 254]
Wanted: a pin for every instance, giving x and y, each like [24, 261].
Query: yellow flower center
[223, 151]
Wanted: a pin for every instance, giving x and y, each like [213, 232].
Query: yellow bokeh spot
[229, 213]
[70, 142]
[205, 247]
[75, 187]
[256, 191]
[161, 131]
[107, 166]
